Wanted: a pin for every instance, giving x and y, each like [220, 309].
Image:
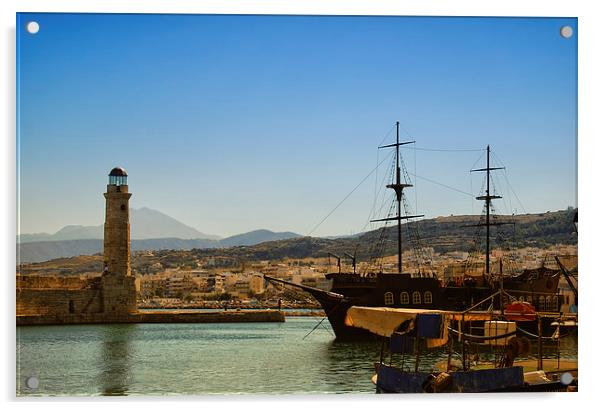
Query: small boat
[407, 330]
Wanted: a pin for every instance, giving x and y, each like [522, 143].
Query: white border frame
[590, 67]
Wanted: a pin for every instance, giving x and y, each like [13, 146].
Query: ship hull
[401, 291]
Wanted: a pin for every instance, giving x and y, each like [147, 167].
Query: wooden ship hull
[354, 290]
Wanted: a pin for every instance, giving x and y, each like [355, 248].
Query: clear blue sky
[234, 123]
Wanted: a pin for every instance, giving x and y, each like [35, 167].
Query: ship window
[404, 298]
[388, 298]
[542, 303]
[71, 307]
[521, 299]
[555, 303]
[416, 298]
[428, 297]
[549, 303]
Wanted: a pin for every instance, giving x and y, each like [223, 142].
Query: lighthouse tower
[119, 291]
[117, 224]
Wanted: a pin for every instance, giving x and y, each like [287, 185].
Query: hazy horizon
[261, 228]
[235, 123]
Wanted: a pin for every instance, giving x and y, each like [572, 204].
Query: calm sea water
[197, 359]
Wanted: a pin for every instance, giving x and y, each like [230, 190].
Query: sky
[235, 123]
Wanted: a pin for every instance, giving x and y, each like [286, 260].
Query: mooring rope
[523, 331]
[468, 336]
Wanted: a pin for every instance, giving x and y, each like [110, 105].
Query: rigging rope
[387, 134]
[372, 214]
[347, 196]
[316, 326]
[444, 150]
[508, 181]
[478, 159]
[441, 184]
[415, 187]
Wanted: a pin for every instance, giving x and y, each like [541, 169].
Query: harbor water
[200, 359]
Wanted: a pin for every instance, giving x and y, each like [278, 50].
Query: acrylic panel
[271, 204]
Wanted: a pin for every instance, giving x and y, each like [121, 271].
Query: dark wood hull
[399, 290]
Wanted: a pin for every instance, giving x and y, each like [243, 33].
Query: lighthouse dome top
[118, 176]
[118, 172]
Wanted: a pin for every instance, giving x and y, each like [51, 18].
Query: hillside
[255, 237]
[47, 250]
[444, 234]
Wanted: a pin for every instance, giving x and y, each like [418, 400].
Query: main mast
[487, 198]
[398, 187]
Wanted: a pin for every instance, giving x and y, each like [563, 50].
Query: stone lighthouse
[119, 290]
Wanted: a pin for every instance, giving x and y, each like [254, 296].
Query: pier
[170, 316]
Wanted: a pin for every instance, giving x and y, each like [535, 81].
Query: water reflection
[193, 359]
[360, 357]
[115, 360]
[346, 367]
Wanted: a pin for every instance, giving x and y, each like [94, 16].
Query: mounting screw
[32, 382]
[32, 27]
[566, 378]
[566, 31]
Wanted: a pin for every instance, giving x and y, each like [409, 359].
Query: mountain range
[145, 223]
[150, 230]
[443, 234]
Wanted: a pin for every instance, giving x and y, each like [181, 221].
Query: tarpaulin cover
[384, 321]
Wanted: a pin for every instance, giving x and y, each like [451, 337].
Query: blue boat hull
[392, 380]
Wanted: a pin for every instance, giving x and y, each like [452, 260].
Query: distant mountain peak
[69, 228]
[46, 249]
[255, 237]
[145, 223]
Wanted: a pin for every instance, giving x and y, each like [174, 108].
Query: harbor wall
[58, 302]
[154, 317]
[67, 300]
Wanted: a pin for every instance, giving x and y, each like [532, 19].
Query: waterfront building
[178, 286]
[256, 284]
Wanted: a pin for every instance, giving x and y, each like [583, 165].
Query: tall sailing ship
[425, 290]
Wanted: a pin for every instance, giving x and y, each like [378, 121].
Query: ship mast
[487, 198]
[398, 187]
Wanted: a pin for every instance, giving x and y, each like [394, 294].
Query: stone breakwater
[175, 316]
